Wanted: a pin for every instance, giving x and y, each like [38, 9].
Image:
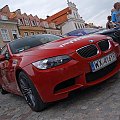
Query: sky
[92, 11]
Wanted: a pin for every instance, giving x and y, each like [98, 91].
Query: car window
[115, 36]
[26, 43]
[4, 50]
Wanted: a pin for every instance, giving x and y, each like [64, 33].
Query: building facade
[67, 19]
[8, 28]
[31, 25]
[50, 28]
[27, 24]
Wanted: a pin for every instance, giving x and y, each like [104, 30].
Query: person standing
[116, 14]
[109, 24]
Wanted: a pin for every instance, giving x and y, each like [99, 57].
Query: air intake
[88, 51]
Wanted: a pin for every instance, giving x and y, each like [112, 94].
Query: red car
[45, 68]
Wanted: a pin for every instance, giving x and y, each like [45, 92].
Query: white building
[68, 19]
[50, 28]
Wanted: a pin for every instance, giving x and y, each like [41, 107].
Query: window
[33, 23]
[32, 33]
[3, 51]
[37, 23]
[46, 25]
[5, 35]
[52, 25]
[27, 22]
[83, 26]
[78, 25]
[14, 33]
[20, 21]
[115, 35]
[77, 15]
[25, 34]
[74, 14]
[3, 17]
[75, 26]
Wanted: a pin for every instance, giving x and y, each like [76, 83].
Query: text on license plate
[103, 62]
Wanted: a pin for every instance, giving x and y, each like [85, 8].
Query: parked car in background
[82, 31]
[114, 33]
[46, 68]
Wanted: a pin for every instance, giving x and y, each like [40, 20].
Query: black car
[114, 33]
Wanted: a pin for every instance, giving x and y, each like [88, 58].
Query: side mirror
[2, 57]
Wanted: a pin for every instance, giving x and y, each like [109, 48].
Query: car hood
[59, 47]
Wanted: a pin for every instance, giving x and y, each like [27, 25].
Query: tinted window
[20, 45]
[4, 50]
[114, 34]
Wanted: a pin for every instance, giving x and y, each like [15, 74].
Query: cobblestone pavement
[101, 102]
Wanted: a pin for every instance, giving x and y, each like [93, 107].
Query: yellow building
[27, 24]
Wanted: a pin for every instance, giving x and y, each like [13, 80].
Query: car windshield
[26, 43]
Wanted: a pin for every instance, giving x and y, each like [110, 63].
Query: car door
[2, 69]
[7, 70]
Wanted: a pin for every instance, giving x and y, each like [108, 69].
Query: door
[7, 70]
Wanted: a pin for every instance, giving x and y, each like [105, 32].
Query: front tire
[30, 93]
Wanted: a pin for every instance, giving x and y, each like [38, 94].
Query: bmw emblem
[91, 41]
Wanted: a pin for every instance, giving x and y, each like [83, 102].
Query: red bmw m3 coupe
[46, 68]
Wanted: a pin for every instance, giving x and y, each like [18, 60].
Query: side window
[117, 37]
[117, 34]
[114, 36]
[5, 52]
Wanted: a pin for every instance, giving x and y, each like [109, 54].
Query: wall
[53, 31]
[67, 27]
[9, 27]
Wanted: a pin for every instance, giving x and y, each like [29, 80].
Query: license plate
[103, 62]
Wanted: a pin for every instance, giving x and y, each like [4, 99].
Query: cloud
[91, 10]
[97, 15]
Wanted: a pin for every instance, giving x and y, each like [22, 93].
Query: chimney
[18, 11]
[48, 16]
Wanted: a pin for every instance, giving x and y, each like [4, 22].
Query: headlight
[51, 62]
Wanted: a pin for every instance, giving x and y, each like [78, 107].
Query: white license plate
[103, 62]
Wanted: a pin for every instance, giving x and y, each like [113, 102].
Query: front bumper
[48, 82]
